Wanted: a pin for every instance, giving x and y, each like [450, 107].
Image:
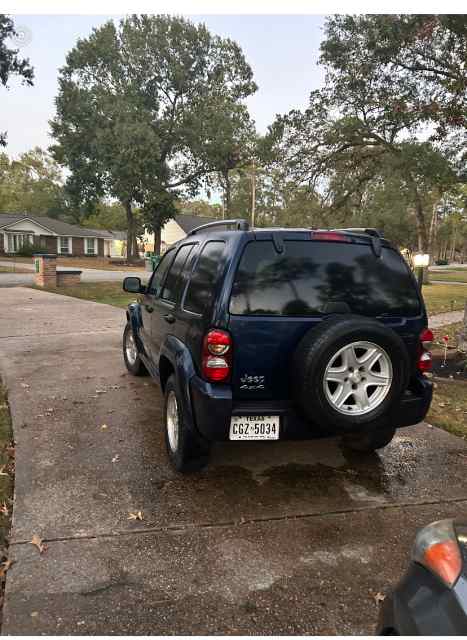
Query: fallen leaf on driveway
[37, 542]
[379, 597]
[116, 458]
[5, 566]
[104, 426]
[101, 391]
[24, 385]
[135, 516]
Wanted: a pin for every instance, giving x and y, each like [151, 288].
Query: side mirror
[132, 284]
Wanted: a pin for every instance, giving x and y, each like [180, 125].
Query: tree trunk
[433, 229]
[157, 242]
[453, 244]
[131, 232]
[253, 195]
[421, 225]
[227, 192]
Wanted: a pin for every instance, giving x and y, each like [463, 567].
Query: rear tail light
[330, 235]
[437, 549]
[425, 363]
[217, 356]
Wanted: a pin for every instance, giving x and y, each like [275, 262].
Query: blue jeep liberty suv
[274, 334]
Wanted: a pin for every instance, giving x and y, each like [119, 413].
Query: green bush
[441, 263]
[28, 250]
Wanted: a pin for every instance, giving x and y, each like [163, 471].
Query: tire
[132, 363]
[369, 441]
[324, 353]
[186, 451]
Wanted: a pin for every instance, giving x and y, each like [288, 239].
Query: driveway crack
[200, 526]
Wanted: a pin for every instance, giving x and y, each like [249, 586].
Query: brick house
[53, 236]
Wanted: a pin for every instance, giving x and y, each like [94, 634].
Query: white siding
[171, 232]
[30, 227]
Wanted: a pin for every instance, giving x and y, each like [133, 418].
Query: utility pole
[253, 194]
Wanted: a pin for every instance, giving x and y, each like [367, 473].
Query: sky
[282, 51]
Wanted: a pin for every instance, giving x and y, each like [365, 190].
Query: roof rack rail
[368, 230]
[239, 224]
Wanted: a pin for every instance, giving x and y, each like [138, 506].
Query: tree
[10, 63]
[32, 184]
[372, 115]
[199, 207]
[146, 113]
[106, 216]
[415, 62]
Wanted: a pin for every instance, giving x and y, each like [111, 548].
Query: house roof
[188, 221]
[118, 235]
[55, 226]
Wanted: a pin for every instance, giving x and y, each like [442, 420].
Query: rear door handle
[169, 318]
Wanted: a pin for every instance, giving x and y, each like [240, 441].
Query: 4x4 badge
[252, 383]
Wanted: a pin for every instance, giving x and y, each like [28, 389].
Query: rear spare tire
[349, 371]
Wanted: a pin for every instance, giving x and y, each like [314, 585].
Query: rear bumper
[213, 407]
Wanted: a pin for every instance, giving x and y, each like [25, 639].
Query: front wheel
[369, 441]
[187, 452]
[130, 354]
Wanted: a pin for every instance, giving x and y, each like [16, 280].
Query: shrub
[442, 262]
[28, 250]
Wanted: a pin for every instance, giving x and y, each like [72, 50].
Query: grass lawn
[449, 407]
[105, 292]
[14, 269]
[456, 275]
[6, 483]
[81, 263]
[440, 298]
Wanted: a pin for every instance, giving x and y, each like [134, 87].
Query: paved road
[272, 538]
[87, 275]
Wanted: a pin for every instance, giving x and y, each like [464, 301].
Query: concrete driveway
[87, 275]
[272, 538]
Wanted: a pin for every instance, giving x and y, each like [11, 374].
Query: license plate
[254, 427]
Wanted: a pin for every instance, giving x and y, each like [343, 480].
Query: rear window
[200, 292]
[309, 276]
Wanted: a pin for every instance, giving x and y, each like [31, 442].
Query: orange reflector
[444, 559]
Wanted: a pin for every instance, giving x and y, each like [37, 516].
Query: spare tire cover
[349, 370]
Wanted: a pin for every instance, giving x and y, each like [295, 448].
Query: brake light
[217, 356]
[425, 363]
[426, 338]
[330, 235]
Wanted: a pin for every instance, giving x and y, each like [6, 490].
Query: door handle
[169, 318]
[148, 308]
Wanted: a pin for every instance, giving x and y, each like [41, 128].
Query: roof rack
[368, 230]
[239, 225]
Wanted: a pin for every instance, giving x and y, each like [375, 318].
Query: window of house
[90, 246]
[18, 240]
[64, 245]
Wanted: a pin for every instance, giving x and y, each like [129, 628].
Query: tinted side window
[308, 276]
[169, 292]
[200, 292]
[159, 274]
